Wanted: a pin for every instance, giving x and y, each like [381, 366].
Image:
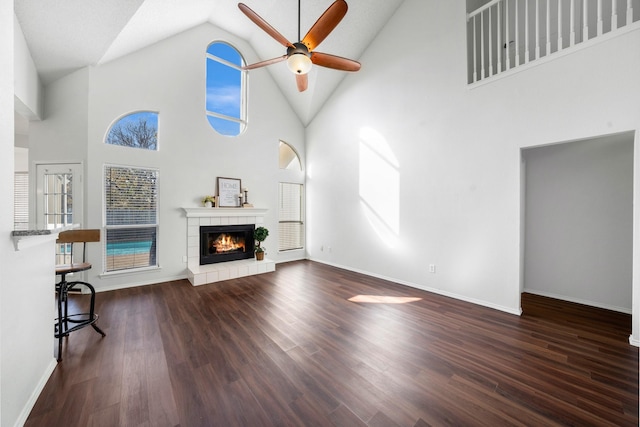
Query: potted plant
[208, 201]
[260, 234]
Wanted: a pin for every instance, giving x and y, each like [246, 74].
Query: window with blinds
[21, 201]
[131, 218]
[291, 217]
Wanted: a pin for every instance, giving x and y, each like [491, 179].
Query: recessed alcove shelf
[211, 273]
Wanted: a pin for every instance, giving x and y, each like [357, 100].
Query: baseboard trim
[28, 406]
[516, 312]
[136, 284]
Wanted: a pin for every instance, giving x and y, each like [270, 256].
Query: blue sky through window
[224, 89]
[224, 127]
[149, 116]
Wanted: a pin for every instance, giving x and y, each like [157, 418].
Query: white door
[58, 195]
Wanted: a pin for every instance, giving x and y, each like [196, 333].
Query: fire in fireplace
[226, 243]
[221, 243]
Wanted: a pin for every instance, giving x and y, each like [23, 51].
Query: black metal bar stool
[67, 323]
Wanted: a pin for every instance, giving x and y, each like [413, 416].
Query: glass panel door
[59, 200]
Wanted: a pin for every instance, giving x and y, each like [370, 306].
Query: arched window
[288, 158]
[225, 97]
[136, 130]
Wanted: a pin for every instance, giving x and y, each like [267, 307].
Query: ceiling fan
[301, 55]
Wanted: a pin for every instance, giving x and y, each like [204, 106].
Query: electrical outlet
[321, 248]
[184, 258]
[432, 268]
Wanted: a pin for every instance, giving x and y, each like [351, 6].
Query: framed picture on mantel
[229, 192]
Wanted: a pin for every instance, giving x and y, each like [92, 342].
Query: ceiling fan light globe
[299, 63]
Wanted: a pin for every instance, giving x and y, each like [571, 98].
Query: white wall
[21, 159]
[6, 176]
[168, 77]
[26, 292]
[61, 137]
[457, 150]
[28, 312]
[28, 90]
[579, 221]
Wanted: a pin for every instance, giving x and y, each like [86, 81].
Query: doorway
[59, 201]
[578, 221]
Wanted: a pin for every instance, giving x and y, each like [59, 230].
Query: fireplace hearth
[199, 274]
[222, 243]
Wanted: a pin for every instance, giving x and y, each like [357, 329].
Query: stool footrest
[80, 320]
[67, 323]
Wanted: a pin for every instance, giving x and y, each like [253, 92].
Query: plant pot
[208, 204]
[259, 256]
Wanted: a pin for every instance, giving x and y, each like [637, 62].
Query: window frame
[285, 145]
[242, 120]
[301, 221]
[43, 170]
[107, 227]
[132, 113]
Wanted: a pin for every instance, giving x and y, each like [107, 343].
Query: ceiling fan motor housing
[298, 64]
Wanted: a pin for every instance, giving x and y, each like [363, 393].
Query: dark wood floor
[290, 349]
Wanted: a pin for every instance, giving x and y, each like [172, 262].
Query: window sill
[131, 271]
[288, 251]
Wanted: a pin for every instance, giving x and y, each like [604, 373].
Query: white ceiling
[65, 35]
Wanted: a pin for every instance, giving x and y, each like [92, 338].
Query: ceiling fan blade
[335, 62]
[325, 24]
[264, 25]
[302, 80]
[265, 63]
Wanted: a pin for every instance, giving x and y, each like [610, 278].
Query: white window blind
[21, 201]
[131, 214]
[291, 217]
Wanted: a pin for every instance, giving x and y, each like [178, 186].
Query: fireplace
[199, 274]
[221, 243]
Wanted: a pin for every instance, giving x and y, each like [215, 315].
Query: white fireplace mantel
[224, 212]
[203, 274]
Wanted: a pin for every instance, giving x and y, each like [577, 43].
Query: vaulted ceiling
[65, 35]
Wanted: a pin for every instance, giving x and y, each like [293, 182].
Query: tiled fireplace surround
[211, 273]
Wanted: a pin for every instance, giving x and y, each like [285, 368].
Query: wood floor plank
[106, 417]
[134, 400]
[162, 406]
[343, 417]
[290, 348]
